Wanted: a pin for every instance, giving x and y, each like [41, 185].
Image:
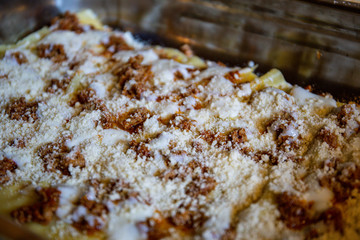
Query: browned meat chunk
[188, 221]
[155, 228]
[94, 208]
[19, 109]
[286, 133]
[43, 211]
[56, 85]
[133, 120]
[294, 212]
[133, 70]
[97, 207]
[348, 118]
[297, 214]
[233, 76]
[88, 100]
[333, 216]
[55, 52]
[211, 137]
[68, 21]
[238, 136]
[200, 186]
[109, 120]
[19, 57]
[6, 165]
[141, 149]
[18, 142]
[57, 156]
[342, 180]
[116, 44]
[345, 114]
[184, 124]
[327, 136]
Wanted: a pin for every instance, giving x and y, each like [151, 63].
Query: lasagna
[105, 137]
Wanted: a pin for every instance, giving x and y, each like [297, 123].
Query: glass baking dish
[311, 42]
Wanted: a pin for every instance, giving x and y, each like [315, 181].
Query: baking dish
[304, 58]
